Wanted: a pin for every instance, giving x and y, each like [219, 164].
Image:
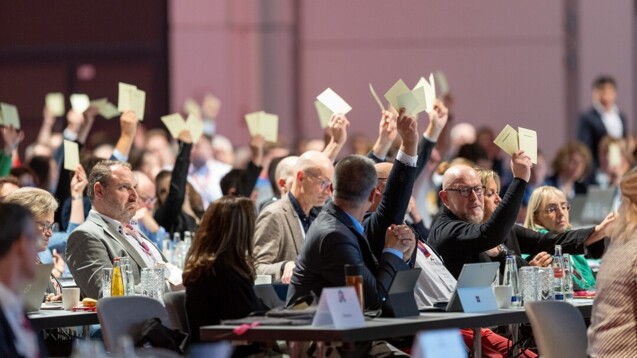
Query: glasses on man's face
[147, 200]
[552, 209]
[466, 191]
[323, 183]
[44, 227]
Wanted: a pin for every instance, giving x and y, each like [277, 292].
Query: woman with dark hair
[219, 274]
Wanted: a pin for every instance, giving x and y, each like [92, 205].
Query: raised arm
[128, 127]
[337, 131]
[386, 135]
[78, 184]
[11, 138]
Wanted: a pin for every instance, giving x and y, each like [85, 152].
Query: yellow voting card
[71, 155]
[55, 103]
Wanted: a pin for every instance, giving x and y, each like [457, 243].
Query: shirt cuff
[69, 135]
[119, 155]
[408, 160]
[380, 159]
[428, 138]
[396, 252]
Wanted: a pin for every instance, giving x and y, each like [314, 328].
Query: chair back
[559, 329]
[268, 295]
[176, 306]
[126, 315]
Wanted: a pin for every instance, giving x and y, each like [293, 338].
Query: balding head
[468, 208]
[312, 183]
[284, 173]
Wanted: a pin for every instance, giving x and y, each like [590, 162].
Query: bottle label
[558, 272]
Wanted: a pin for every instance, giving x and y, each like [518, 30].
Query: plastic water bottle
[568, 278]
[558, 274]
[511, 279]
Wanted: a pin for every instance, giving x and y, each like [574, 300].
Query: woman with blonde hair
[548, 211]
[613, 321]
[219, 273]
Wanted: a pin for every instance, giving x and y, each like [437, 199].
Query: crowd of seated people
[300, 218]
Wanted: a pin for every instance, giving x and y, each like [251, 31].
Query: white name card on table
[442, 343]
[71, 155]
[339, 306]
[524, 139]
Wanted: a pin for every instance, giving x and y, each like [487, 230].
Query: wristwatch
[503, 249]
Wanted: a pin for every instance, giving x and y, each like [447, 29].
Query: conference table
[380, 328]
[46, 319]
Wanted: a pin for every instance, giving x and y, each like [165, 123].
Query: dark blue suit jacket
[330, 244]
[591, 130]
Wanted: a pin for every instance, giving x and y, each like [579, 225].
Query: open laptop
[473, 291]
[33, 294]
[400, 298]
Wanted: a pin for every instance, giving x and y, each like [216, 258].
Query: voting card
[527, 139]
[124, 96]
[138, 103]
[614, 155]
[195, 126]
[105, 108]
[71, 155]
[441, 83]
[334, 102]
[55, 103]
[10, 115]
[323, 112]
[174, 123]
[507, 140]
[396, 90]
[409, 102]
[269, 127]
[80, 102]
[426, 90]
[380, 104]
[252, 120]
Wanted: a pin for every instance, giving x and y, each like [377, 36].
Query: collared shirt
[408, 160]
[26, 341]
[435, 283]
[306, 220]
[611, 119]
[149, 260]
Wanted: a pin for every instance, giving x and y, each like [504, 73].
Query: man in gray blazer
[107, 232]
[281, 226]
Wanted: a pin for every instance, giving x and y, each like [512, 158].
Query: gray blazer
[278, 237]
[93, 246]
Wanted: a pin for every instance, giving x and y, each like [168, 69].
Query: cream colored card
[442, 83]
[614, 155]
[109, 111]
[138, 103]
[396, 90]
[10, 115]
[419, 93]
[124, 96]
[192, 107]
[507, 140]
[55, 103]
[409, 102]
[430, 93]
[334, 102]
[324, 113]
[99, 103]
[195, 126]
[252, 120]
[71, 155]
[80, 102]
[380, 104]
[269, 127]
[174, 123]
[528, 142]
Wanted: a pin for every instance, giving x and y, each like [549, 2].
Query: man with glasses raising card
[459, 234]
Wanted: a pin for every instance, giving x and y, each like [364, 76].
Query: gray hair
[354, 178]
[101, 173]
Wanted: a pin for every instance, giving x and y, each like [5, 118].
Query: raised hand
[12, 138]
[387, 133]
[521, 165]
[437, 120]
[407, 127]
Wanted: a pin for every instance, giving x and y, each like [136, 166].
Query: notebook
[473, 291]
[34, 292]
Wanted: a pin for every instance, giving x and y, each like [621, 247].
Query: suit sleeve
[267, 243]
[532, 242]
[249, 179]
[392, 207]
[86, 256]
[460, 238]
[585, 131]
[166, 215]
[339, 249]
[425, 147]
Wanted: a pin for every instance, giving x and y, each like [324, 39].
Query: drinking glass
[107, 279]
[528, 284]
[545, 283]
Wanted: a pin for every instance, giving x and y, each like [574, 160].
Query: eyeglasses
[323, 183]
[44, 227]
[466, 191]
[552, 209]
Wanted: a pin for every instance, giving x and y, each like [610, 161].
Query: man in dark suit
[108, 232]
[18, 249]
[602, 119]
[337, 238]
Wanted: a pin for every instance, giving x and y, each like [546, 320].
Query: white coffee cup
[503, 295]
[70, 297]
